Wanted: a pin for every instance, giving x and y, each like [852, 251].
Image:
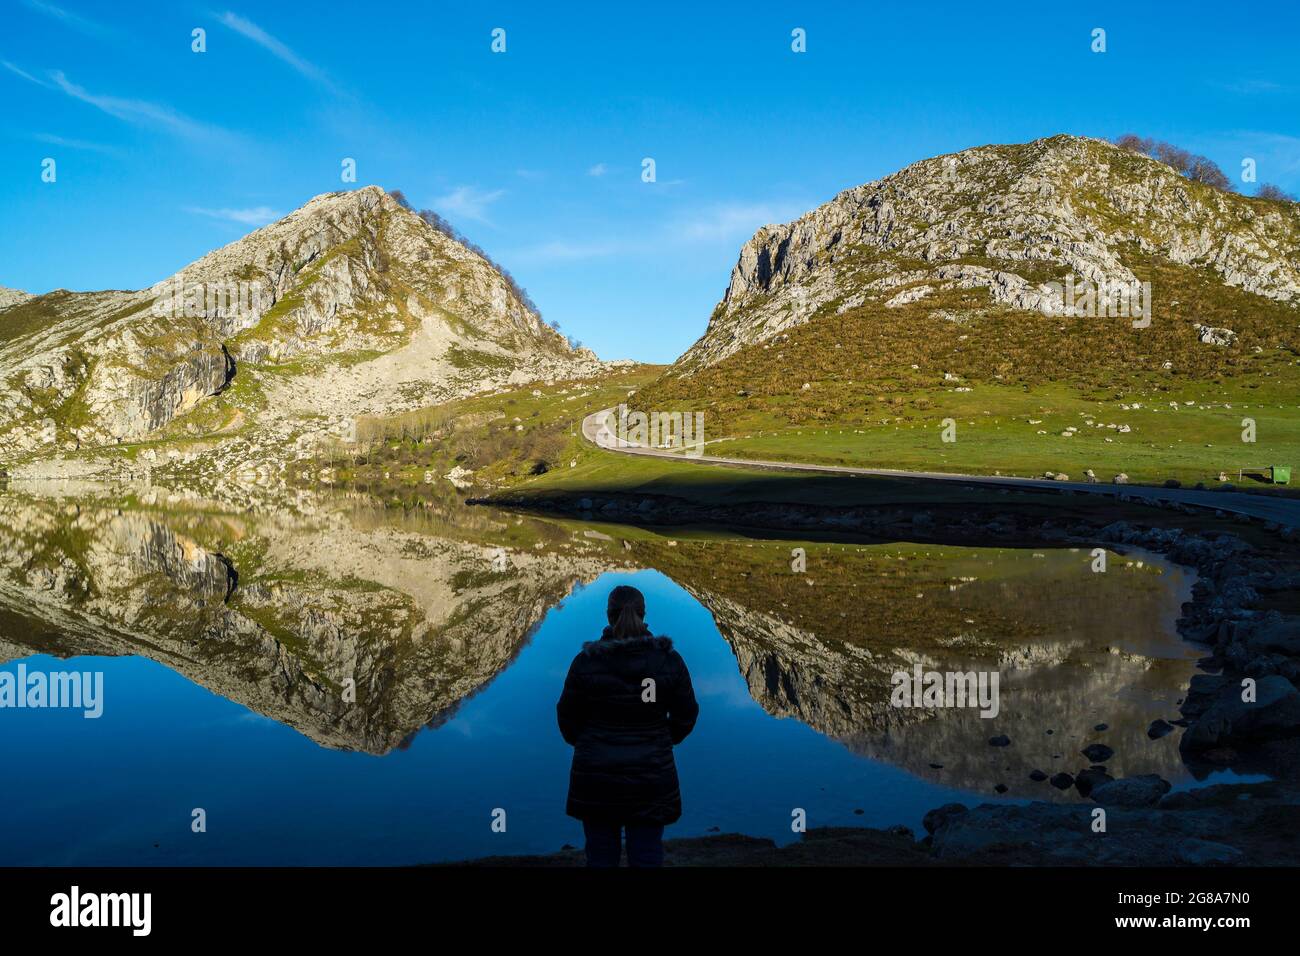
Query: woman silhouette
[627, 702]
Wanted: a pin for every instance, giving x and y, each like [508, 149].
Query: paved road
[1286, 511]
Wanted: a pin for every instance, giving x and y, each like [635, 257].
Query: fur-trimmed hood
[610, 645]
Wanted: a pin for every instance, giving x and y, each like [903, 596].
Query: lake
[368, 684]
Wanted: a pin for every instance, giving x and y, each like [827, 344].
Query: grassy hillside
[873, 386]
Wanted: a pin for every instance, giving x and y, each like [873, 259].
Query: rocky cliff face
[1004, 219]
[351, 304]
[10, 297]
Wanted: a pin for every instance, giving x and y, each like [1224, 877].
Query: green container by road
[1281, 474]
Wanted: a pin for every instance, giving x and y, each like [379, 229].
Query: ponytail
[628, 623]
[626, 613]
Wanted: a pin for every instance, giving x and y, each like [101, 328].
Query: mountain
[350, 305]
[967, 290]
[1003, 220]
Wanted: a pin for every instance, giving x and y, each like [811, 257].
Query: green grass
[877, 389]
[1010, 431]
[476, 358]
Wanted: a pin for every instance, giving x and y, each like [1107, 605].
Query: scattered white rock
[460, 477]
[1210, 335]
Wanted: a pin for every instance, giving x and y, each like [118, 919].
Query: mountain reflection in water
[461, 623]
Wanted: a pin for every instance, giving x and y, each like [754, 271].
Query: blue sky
[163, 153]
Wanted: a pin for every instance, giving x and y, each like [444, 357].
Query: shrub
[1135, 144]
[1203, 170]
[1269, 191]
[1199, 169]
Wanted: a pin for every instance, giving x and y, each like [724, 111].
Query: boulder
[1275, 634]
[1202, 691]
[1085, 781]
[1142, 791]
[1231, 722]
[1098, 753]
[1159, 728]
[938, 818]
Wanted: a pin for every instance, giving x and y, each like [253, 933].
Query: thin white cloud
[275, 47]
[737, 221]
[1250, 87]
[1277, 155]
[139, 112]
[73, 20]
[256, 216]
[18, 71]
[1283, 142]
[598, 170]
[64, 141]
[467, 202]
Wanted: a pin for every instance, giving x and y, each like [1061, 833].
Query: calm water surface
[225, 644]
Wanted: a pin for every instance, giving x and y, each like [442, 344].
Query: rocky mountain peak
[10, 297]
[1005, 219]
[356, 299]
[353, 251]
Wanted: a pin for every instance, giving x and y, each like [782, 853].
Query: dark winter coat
[623, 770]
